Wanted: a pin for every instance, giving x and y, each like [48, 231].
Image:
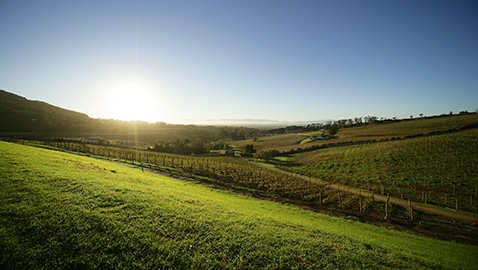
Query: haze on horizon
[280, 60]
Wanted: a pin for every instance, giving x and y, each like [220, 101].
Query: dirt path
[418, 207]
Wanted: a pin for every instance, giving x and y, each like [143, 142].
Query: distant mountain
[18, 114]
[256, 123]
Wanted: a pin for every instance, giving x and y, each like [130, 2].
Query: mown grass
[59, 210]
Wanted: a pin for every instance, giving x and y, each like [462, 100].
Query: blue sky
[279, 60]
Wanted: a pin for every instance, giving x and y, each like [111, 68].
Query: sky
[175, 61]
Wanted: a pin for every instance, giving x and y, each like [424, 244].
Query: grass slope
[59, 210]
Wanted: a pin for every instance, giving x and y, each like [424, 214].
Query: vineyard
[440, 170]
[293, 187]
[225, 169]
[412, 127]
[238, 172]
[371, 132]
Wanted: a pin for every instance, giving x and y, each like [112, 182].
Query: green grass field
[59, 210]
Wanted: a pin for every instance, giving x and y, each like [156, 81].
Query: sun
[132, 101]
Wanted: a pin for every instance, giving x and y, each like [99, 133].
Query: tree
[372, 118]
[265, 155]
[358, 120]
[342, 122]
[230, 152]
[333, 129]
[249, 150]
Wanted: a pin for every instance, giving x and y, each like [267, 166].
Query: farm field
[372, 132]
[282, 142]
[412, 127]
[71, 211]
[440, 170]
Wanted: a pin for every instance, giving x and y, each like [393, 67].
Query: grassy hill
[77, 212]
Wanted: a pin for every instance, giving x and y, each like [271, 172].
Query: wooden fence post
[410, 209]
[387, 205]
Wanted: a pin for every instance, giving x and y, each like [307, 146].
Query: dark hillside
[18, 114]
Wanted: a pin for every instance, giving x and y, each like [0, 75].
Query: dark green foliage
[183, 147]
[249, 150]
[333, 129]
[266, 155]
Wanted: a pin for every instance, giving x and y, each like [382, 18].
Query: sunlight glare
[132, 101]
